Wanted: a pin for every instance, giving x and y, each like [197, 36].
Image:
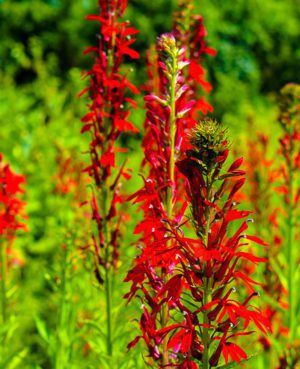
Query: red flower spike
[288, 217]
[108, 117]
[207, 157]
[12, 213]
[11, 207]
[190, 32]
[161, 202]
[109, 93]
[195, 266]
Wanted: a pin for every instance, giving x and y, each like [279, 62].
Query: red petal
[133, 343]
[88, 117]
[236, 164]
[132, 53]
[86, 128]
[256, 240]
[125, 126]
[94, 17]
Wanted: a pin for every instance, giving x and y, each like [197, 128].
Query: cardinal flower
[108, 117]
[11, 206]
[160, 198]
[207, 313]
[12, 216]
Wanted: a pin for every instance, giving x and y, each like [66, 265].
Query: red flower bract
[11, 207]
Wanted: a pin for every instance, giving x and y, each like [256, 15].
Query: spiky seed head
[289, 104]
[209, 141]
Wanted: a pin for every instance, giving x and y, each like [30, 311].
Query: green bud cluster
[209, 141]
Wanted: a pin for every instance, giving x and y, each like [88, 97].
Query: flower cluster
[160, 197]
[289, 119]
[11, 207]
[108, 117]
[210, 263]
[68, 178]
[190, 32]
[262, 176]
[165, 122]
[204, 318]
[11, 220]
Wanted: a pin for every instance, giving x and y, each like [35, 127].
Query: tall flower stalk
[204, 319]
[210, 263]
[262, 176]
[289, 119]
[107, 119]
[191, 34]
[70, 189]
[11, 220]
[160, 198]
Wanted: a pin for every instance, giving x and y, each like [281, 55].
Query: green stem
[165, 313]
[3, 283]
[109, 344]
[111, 50]
[205, 336]
[207, 292]
[172, 134]
[61, 349]
[3, 271]
[107, 266]
[290, 258]
[108, 299]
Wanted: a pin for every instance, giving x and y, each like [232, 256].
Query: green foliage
[258, 51]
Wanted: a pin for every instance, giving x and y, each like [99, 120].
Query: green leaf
[13, 360]
[272, 302]
[95, 325]
[42, 329]
[279, 272]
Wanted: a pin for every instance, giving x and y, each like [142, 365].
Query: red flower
[160, 200]
[11, 207]
[191, 278]
[107, 119]
[191, 33]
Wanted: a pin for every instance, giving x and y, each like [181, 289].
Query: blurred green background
[257, 43]
[41, 62]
